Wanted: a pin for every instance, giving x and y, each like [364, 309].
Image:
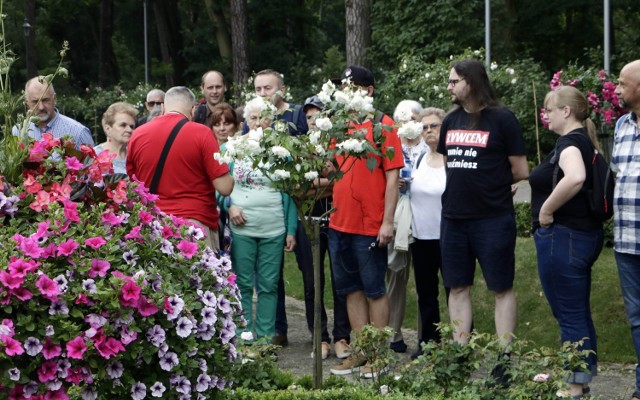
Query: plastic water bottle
[405, 174]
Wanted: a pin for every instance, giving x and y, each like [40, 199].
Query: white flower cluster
[352, 145]
[281, 152]
[324, 124]
[353, 98]
[404, 115]
[410, 130]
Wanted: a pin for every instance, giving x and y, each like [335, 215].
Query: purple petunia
[208, 298]
[32, 346]
[89, 393]
[202, 383]
[129, 257]
[183, 386]
[156, 335]
[58, 307]
[209, 316]
[166, 247]
[184, 326]
[138, 391]
[14, 374]
[62, 283]
[115, 370]
[169, 361]
[227, 334]
[89, 285]
[205, 332]
[224, 304]
[157, 389]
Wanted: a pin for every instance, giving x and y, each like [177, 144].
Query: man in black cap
[362, 226]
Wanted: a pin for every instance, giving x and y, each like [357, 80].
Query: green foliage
[256, 368]
[523, 218]
[373, 343]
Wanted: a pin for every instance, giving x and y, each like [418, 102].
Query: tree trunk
[108, 73]
[358, 30]
[239, 45]
[170, 38]
[31, 59]
[222, 32]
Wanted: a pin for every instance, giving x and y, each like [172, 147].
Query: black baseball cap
[313, 101]
[359, 75]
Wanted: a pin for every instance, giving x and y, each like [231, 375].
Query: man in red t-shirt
[191, 175]
[362, 226]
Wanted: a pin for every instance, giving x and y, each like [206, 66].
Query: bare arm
[574, 176]
[519, 168]
[385, 234]
[224, 184]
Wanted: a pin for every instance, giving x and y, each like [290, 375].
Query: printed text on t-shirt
[467, 138]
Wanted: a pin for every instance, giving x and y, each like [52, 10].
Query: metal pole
[607, 36]
[487, 32]
[146, 47]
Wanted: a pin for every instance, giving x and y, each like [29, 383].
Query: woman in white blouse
[426, 191]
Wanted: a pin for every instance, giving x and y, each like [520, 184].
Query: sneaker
[399, 347]
[280, 340]
[342, 349]
[326, 347]
[370, 372]
[351, 364]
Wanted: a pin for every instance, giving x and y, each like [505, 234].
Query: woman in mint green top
[263, 221]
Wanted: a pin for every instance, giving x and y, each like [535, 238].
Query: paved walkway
[614, 382]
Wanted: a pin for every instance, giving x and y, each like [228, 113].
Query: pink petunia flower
[134, 233]
[59, 394]
[76, 348]
[73, 164]
[108, 347]
[232, 278]
[71, 211]
[21, 294]
[11, 346]
[11, 280]
[98, 268]
[111, 219]
[21, 267]
[145, 217]
[50, 350]
[30, 248]
[67, 248]
[95, 242]
[48, 287]
[131, 291]
[187, 248]
[47, 371]
[6, 328]
[146, 308]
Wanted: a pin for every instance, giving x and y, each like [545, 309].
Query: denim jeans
[629, 271]
[565, 258]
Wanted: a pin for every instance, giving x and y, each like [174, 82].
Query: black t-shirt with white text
[479, 174]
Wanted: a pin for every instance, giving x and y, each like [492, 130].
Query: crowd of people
[442, 204]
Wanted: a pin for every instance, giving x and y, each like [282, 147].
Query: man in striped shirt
[41, 99]
[625, 161]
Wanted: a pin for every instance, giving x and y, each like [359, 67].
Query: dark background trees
[304, 39]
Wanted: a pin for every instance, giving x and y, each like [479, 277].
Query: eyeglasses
[454, 82]
[154, 103]
[430, 126]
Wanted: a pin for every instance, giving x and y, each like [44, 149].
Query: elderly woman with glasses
[428, 184]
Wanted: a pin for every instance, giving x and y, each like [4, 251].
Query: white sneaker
[342, 349]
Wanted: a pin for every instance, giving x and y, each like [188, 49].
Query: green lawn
[535, 321]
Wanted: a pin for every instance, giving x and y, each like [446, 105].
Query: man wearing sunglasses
[155, 99]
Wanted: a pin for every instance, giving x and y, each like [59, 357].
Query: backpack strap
[378, 117]
[163, 156]
[296, 115]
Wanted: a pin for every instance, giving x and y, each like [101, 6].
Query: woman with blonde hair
[118, 123]
[568, 238]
